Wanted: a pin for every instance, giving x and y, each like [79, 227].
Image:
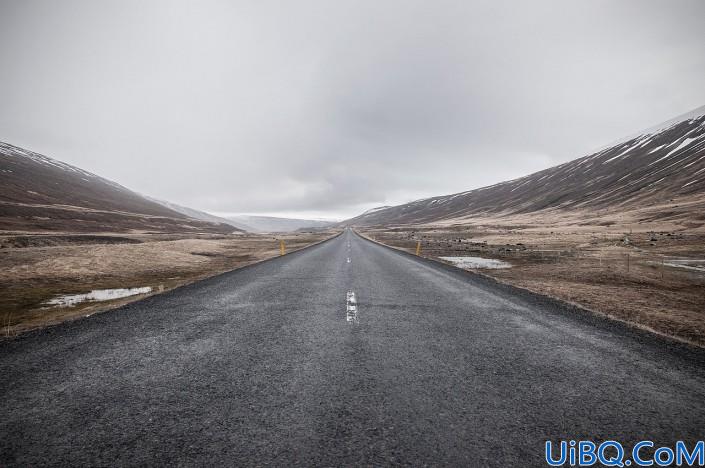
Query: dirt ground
[35, 268]
[647, 274]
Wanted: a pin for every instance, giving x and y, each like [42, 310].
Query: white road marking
[351, 308]
[348, 259]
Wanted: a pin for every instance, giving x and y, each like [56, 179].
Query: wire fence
[636, 262]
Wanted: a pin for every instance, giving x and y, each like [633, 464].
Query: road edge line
[576, 309]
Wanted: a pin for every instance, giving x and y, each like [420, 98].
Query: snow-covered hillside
[41, 193]
[660, 164]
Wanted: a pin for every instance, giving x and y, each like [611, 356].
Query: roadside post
[418, 248]
[282, 248]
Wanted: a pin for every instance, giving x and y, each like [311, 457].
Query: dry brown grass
[587, 264]
[36, 268]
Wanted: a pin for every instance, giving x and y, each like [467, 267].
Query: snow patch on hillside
[14, 151]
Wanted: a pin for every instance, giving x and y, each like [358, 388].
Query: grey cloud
[330, 107]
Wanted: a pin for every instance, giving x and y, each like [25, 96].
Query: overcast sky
[327, 108]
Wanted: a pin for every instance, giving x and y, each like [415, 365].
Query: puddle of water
[688, 264]
[96, 295]
[476, 262]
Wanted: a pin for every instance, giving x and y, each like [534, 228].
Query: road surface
[260, 366]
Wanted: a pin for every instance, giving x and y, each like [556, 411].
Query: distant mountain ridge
[39, 193]
[202, 215]
[249, 223]
[275, 224]
[658, 164]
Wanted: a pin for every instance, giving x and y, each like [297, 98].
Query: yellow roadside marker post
[282, 249]
[418, 247]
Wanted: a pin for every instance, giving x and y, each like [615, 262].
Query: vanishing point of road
[260, 366]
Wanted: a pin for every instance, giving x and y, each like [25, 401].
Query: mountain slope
[41, 193]
[658, 165]
[203, 216]
[274, 224]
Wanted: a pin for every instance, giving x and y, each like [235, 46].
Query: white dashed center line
[351, 308]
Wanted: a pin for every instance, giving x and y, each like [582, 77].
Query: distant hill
[659, 164]
[39, 193]
[274, 224]
[202, 215]
[255, 224]
[374, 210]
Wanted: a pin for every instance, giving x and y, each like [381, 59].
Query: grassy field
[652, 276]
[37, 268]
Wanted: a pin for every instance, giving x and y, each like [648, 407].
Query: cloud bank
[327, 108]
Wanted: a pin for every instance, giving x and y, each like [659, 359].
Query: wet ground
[262, 366]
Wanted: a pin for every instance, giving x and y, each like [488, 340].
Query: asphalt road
[260, 367]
